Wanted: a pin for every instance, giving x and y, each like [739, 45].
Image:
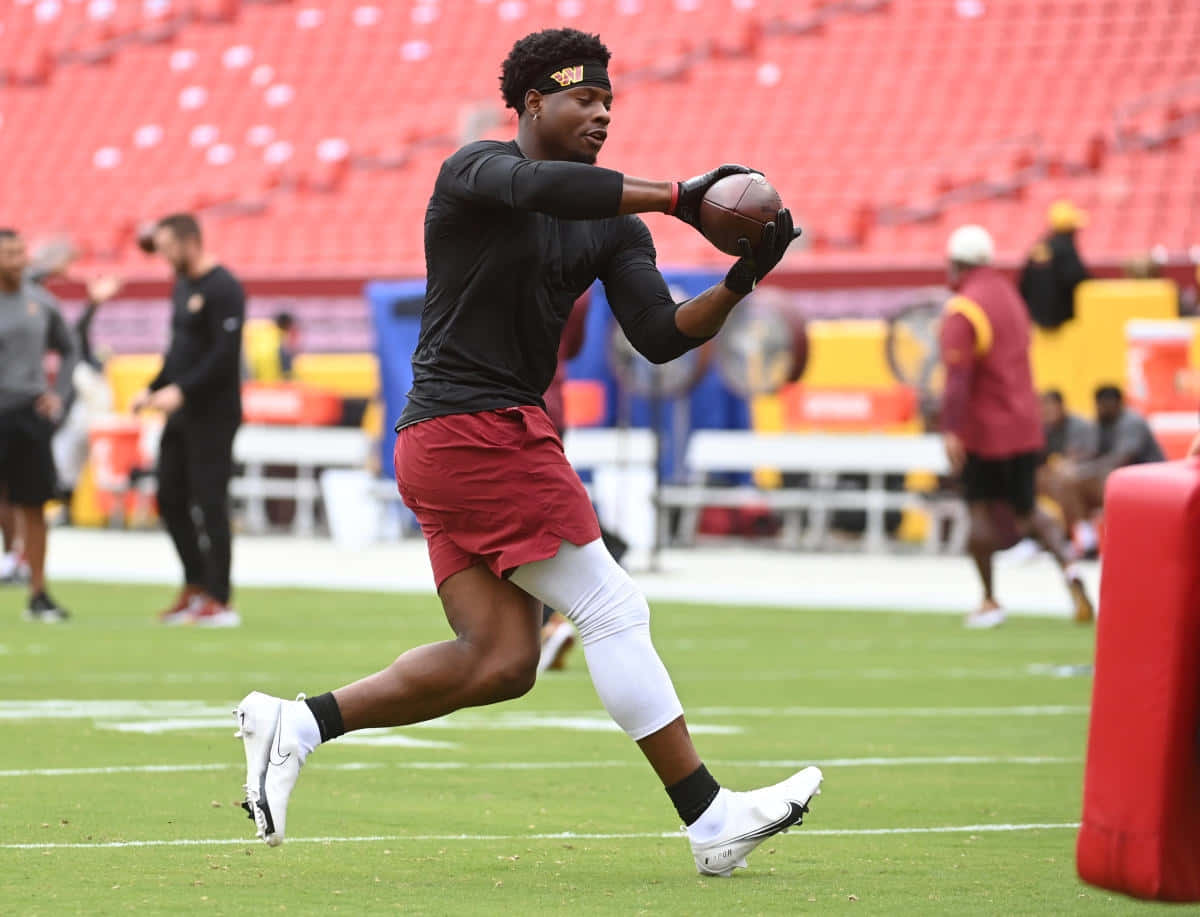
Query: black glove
[757, 262]
[692, 191]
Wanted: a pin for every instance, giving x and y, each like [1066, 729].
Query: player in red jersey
[991, 415]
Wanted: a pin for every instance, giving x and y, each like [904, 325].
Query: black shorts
[1007, 480]
[26, 462]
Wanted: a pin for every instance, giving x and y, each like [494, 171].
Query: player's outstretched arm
[680, 199]
[491, 173]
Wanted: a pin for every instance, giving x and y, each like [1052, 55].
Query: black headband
[572, 76]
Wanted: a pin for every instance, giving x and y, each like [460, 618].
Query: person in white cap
[991, 417]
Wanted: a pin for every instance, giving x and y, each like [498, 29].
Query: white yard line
[565, 836]
[1054, 710]
[205, 714]
[543, 765]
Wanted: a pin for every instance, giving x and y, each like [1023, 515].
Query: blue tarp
[713, 405]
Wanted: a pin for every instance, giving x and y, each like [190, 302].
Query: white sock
[1071, 572]
[1085, 535]
[712, 820]
[8, 564]
[308, 733]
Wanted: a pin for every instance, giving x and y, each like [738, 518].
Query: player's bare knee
[509, 678]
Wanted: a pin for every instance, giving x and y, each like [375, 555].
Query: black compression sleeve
[569, 190]
[641, 301]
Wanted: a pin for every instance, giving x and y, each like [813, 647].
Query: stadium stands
[309, 132]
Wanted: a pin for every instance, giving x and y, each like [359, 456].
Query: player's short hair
[6, 233]
[1054, 395]
[537, 53]
[285, 321]
[183, 225]
[1109, 393]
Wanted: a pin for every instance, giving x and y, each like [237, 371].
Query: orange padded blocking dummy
[1141, 796]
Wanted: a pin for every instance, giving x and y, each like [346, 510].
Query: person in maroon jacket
[991, 418]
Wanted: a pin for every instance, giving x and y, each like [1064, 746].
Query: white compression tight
[613, 620]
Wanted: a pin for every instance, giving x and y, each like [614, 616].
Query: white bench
[306, 449]
[621, 463]
[593, 448]
[822, 457]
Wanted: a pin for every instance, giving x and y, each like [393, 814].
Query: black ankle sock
[693, 794]
[329, 718]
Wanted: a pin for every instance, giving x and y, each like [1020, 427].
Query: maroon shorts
[492, 488]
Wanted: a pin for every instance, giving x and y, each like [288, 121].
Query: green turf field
[120, 776]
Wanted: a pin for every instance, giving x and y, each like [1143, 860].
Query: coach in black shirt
[199, 389]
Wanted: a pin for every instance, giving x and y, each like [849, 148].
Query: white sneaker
[273, 761]
[557, 637]
[1023, 552]
[752, 818]
[211, 613]
[182, 612]
[984, 619]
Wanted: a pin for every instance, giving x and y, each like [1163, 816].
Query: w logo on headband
[568, 76]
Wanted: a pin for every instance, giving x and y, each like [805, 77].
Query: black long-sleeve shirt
[510, 244]
[204, 356]
[1049, 278]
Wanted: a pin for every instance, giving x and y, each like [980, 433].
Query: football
[738, 206]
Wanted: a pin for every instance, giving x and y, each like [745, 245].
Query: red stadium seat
[854, 110]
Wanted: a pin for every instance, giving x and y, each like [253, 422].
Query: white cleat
[984, 619]
[752, 818]
[273, 761]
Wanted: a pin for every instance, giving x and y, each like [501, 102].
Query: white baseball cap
[971, 244]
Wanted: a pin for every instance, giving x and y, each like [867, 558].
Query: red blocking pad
[1141, 795]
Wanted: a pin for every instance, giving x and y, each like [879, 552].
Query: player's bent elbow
[658, 355]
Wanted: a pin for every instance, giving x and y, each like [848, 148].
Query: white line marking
[564, 836]
[902, 762]
[888, 711]
[544, 719]
[541, 765]
[183, 724]
[116, 769]
[392, 740]
[200, 710]
[110, 709]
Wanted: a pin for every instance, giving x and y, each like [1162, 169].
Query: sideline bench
[614, 458]
[306, 449]
[822, 457]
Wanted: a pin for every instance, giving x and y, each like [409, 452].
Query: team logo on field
[195, 303]
[568, 76]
